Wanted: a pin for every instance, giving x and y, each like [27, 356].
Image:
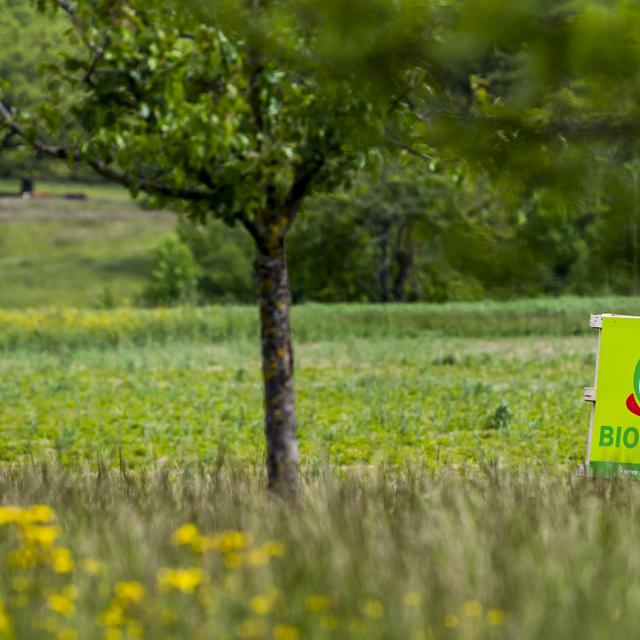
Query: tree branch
[65, 5]
[407, 147]
[97, 58]
[299, 189]
[152, 187]
[7, 138]
[249, 226]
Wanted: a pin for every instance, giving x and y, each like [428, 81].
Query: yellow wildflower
[43, 535]
[113, 616]
[41, 513]
[234, 540]
[4, 620]
[412, 599]
[232, 560]
[273, 548]
[256, 558]
[61, 604]
[285, 632]
[185, 580]
[450, 621]
[67, 634]
[112, 633]
[61, 560]
[472, 609]
[92, 567]
[373, 609]
[70, 591]
[130, 591]
[260, 605]
[10, 515]
[187, 535]
[496, 617]
[23, 557]
[317, 604]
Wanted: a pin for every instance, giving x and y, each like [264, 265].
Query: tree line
[408, 233]
[407, 230]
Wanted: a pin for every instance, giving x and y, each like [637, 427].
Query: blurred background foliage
[509, 165]
[29, 41]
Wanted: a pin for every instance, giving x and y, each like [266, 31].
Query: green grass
[60, 328]
[103, 191]
[381, 554]
[67, 253]
[375, 384]
[431, 399]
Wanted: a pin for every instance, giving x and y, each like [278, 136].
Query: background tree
[223, 122]
[29, 40]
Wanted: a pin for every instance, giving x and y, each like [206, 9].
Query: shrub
[174, 274]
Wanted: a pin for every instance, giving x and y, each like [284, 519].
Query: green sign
[614, 436]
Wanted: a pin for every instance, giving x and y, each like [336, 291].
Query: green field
[432, 400]
[183, 385]
[439, 498]
[68, 253]
[96, 191]
[201, 552]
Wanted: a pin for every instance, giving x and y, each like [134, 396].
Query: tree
[367, 242]
[227, 113]
[224, 257]
[241, 110]
[29, 40]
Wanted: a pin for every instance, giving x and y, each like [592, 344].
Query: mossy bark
[277, 366]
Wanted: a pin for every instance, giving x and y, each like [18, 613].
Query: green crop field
[425, 399]
[466, 384]
[439, 498]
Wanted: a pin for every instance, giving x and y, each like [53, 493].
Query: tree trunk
[277, 368]
[384, 271]
[403, 259]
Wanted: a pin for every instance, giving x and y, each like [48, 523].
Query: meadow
[362, 400]
[439, 497]
[204, 553]
[72, 252]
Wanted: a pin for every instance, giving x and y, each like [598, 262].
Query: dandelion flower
[496, 617]
[472, 609]
[317, 604]
[412, 599]
[450, 621]
[130, 591]
[373, 609]
[260, 605]
[285, 632]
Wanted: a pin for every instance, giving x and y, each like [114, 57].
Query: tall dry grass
[370, 553]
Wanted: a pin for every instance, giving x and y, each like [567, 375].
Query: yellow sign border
[608, 456]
